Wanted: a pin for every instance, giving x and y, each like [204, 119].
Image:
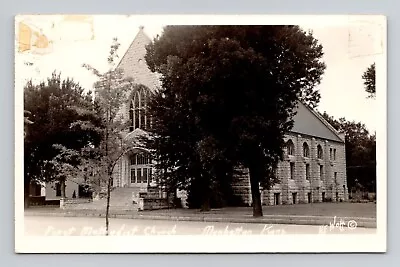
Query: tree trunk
[255, 190]
[26, 194]
[206, 204]
[62, 187]
[108, 203]
[62, 197]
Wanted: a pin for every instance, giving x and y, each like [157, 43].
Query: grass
[343, 209]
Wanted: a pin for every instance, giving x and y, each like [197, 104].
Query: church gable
[134, 65]
[308, 122]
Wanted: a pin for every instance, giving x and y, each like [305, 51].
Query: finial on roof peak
[141, 27]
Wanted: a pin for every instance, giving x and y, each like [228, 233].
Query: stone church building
[313, 168]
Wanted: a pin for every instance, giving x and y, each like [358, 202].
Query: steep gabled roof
[134, 65]
[306, 121]
[309, 122]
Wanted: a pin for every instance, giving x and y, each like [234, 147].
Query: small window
[145, 177]
[307, 171]
[290, 147]
[306, 150]
[151, 174]
[139, 175]
[58, 189]
[330, 153]
[321, 172]
[334, 154]
[335, 177]
[319, 152]
[277, 200]
[133, 159]
[292, 170]
[133, 176]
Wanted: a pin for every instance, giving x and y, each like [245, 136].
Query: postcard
[200, 133]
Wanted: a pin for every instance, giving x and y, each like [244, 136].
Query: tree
[111, 93]
[27, 121]
[183, 159]
[53, 120]
[369, 81]
[360, 153]
[231, 91]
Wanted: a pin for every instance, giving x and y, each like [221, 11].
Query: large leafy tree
[360, 153]
[231, 93]
[50, 120]
[369, 81]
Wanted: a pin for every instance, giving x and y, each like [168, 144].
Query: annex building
[313, 168]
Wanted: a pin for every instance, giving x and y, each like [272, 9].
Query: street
[91, 226]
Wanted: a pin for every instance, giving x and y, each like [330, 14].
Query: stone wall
[151, 199]
[241, 185]
[319, 185]
[152, 204]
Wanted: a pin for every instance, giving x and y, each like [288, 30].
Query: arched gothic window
[319, 152]
[306, 150]
[290, 147]
[137, 111]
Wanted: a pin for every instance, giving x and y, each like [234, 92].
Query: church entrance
[141, 172]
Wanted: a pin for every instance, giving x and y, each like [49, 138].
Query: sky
[65, 42]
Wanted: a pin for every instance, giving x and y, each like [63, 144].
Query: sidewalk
[294, 214]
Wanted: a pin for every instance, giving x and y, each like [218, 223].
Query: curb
[268, 219]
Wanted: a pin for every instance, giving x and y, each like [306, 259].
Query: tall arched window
[143, 106]
[131, 117]
[137, 110]
[319, 152]
[290, 147]
[306, 150]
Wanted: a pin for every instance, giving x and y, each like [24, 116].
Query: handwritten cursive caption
[338, 224]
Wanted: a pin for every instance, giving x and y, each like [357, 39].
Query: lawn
[344, 209]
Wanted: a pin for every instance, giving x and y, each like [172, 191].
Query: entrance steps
[121, 199]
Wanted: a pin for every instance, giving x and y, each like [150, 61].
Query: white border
[200, 244]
